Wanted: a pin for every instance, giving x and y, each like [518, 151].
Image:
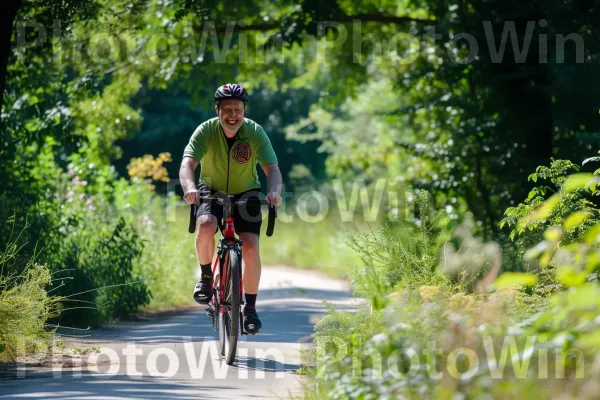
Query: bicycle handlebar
[225, 199]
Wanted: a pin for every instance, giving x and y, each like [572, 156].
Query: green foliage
[168, 262]
[526, 316]
[564, 219]
[405, 349]
[512, 279]
[110, 265]
[405, 254]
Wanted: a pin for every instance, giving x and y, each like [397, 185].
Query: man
[228, 148]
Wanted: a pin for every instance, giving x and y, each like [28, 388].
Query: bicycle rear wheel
[229, 313]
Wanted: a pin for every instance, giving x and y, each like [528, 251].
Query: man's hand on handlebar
[274, 199]
[191, 197]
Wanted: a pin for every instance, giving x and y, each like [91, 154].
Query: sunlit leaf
[532, 177]
[591, 159]
[510, 279]
[545, 258]
[590, 340]
[584, 297]
[576, 219]
[591, 235]
[541, 213]
[569, 276]
[577, 181]
[553, 234]
[593, 262]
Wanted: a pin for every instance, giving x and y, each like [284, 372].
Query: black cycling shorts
[246, 217]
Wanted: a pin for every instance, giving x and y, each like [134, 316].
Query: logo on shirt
[241, 152]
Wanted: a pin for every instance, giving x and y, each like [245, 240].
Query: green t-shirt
[230, 171]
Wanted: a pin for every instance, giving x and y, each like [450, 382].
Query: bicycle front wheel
[229, 313]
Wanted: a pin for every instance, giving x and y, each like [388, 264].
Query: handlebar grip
[271, 222]
[192, 226]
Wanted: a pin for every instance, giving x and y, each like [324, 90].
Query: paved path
[176, 357]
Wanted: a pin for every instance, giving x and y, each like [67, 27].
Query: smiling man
[228, 148]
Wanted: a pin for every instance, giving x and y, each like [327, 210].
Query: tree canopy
[461, 98]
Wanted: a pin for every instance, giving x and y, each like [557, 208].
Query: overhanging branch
[363, 18]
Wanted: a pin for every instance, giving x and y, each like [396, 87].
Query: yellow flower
[461, 301]
[505, 295]
[148, 167]
[427, 292]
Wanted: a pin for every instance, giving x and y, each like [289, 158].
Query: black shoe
[252, 324]
[203, 290]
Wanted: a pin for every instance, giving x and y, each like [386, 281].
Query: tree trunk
[7, 21]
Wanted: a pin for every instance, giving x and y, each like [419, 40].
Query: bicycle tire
[229, 316]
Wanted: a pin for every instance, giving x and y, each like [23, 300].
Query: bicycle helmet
[231, 91]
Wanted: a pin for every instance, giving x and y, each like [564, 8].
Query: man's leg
[252, 265]
[206, 226]
[251, 279]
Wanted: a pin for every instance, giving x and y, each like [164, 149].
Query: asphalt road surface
[176, 356]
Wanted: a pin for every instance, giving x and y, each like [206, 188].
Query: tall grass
[25, 305]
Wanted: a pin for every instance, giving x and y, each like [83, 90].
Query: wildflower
[393, 295]
[427, 292]
[461, 301]
[505, 295]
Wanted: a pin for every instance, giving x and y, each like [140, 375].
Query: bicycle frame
[227, 242]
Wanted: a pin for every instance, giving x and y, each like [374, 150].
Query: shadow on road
[287, 314]
[120, 387]
[265, 366]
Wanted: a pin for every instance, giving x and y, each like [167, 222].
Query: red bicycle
[227, 274]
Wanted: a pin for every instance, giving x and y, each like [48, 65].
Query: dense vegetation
[439, 323]
[449, 124]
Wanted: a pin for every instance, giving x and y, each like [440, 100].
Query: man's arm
[188, 180]
[274, 183]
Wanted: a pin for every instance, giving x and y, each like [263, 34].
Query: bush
[103, 280]
[406, 254]
[559, 202]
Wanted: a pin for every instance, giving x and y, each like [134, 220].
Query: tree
[6, 30]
